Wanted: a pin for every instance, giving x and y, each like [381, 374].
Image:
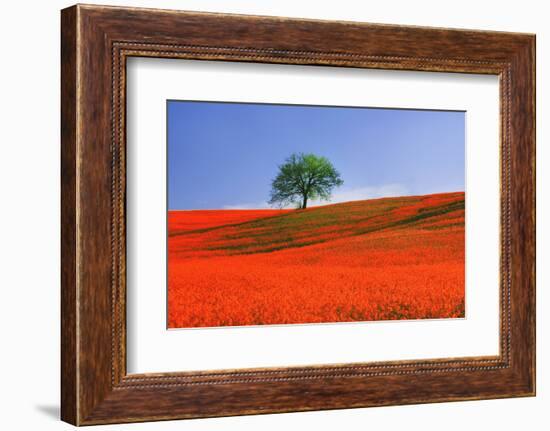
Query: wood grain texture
[96, 41]
[69, 397]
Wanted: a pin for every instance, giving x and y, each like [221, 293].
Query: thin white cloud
[363, 193]
[341, 195]
[248, 206]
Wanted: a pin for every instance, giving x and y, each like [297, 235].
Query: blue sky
[225, 155]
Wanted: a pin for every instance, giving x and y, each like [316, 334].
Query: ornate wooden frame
[95, 42]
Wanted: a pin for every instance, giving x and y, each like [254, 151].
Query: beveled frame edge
[124, 50]
[96, 41]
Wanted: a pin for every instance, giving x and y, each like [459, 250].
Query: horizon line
[318, 206]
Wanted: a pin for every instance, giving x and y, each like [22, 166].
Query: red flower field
[380, 259]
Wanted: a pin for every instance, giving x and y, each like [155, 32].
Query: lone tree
[303, 177]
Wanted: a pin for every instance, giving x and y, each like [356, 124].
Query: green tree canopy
[303, 177]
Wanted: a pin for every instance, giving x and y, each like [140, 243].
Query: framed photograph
[264, 215]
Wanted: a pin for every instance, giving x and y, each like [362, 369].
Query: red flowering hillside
[391, 258]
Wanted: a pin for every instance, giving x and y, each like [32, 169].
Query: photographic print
[301, 214]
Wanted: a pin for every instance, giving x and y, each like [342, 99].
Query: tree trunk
[304, 203]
